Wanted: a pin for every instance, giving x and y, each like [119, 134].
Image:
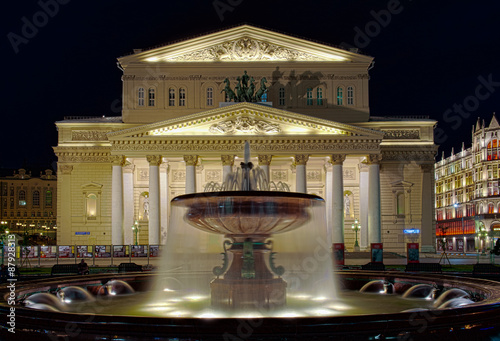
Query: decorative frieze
[143, 174]
[401, 134]
[279, 175]
[412, 155]
[178, 175]
[314, 175]
[349, 173]
[89, 135]
[244, 124]
[214, 175]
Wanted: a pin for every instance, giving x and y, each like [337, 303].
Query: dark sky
[431, 57]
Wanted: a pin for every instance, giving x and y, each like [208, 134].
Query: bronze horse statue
[262, 90]
[229, 93]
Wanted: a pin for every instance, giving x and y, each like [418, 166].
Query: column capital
[337, 159]
[154, 160]
[426, 167]
[191, 160]
[265, 160]
[301, 159]
[373, 159]
[363, 167]
[227, 160]
[128, 168]
[165, 166]
[65, 169]
[118, 160]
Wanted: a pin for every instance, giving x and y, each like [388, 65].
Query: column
[264, 163]
[165, 201]
[128, 203]
[337, 203]
[227, 166]
[363, 206]
[154, 199]
[301, 179]
[427, 228]
[374, 218]
[64, 231]
[191, 161]
[117, 201]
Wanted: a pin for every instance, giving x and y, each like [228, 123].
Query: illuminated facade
[29, 204]
[467, 194]
[311, 130]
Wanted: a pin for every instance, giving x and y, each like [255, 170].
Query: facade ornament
[426, 167]
[401, 134]
[373, 159]
[89, 135]
[301, 159]
[118, 160]
[265, 160]
[227, 160]
[128, 167]
[154, 160]
[244, 124]
[337, 159]
[65, 169]
[191, 160]
[244, 90]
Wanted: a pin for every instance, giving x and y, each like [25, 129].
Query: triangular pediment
[245, 119]
[244, 44]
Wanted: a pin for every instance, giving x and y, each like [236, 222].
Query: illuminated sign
[411, 231]
[81, 233]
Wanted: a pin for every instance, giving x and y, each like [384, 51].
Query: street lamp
[481, 236]
[135, 229]
[356, 227]
[3, 225]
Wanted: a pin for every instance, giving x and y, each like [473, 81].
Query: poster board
[339, 253]
[377, 251]
[412, 252]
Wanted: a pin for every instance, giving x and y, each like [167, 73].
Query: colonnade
[123, 208]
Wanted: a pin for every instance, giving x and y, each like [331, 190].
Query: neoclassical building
[188, 108]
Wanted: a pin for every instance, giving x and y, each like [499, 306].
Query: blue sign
[411, 231]
[81, 233]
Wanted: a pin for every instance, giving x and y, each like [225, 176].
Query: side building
[467, 193]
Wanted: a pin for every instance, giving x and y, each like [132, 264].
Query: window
[319, 96]
[151, 97]
[22, 198]
[281, 96]
[210, 96]
[182, 97]
[91, 204]
[401, 204]
[264, 97]
[36, 198]
[48, 199]
[491, 208]
[309, 96]
[493, 149]
[340, 96]
[350, 95]
[171, 97]
[140, 97]
[11, 203]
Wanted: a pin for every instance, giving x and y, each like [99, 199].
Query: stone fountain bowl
[247, 213]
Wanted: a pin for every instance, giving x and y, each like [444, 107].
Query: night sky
[435, 58]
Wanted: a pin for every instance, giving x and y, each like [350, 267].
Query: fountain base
[256, 294]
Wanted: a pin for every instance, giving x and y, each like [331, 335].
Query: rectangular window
[151, 97]
[319, 96]
[350, 95]
[309, 96]
[140, 97]
[281, 96]
[340, 96]
[171, 97]
[182, 97]
[210, 96]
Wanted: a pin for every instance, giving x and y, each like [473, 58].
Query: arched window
[182, 97]
[91, 205]
[340, 96]
[319, 96]
[22, 198]
[309, 96]
[171, 97]
[493, 150]
[140, 97]
[281, 98]
[210, 96]
[48, 199]
[350, 95]
[491, 208]
[36, 198]
[151, 97]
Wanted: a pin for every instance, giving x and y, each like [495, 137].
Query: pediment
[244, 44]
[245, 119]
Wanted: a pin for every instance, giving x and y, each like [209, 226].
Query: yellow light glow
[152, 59]
[319, 298]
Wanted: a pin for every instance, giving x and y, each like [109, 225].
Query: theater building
[189, 107]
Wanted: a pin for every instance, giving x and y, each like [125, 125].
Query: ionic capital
[191, 160]
[265, 160]
[227, 160]
[301, 159]
[337, 159]
[154, 160]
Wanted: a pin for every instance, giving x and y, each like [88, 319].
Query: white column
[264, 164]
[300, 169]
[427, 229]
[154, 199]
[165, 202]
[374, 218]
[117, 201]
[337, 204]
[363, 206]
[191, 161]
[328, 198]
[64, 231]
[227, 165]
[128, 203]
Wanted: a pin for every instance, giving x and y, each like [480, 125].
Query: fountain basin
[475, 321]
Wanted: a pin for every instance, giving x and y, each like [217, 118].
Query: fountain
[244, 263]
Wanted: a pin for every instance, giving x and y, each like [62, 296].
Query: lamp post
[135, 229]
[2, 236]
[356, 227]
[481, 237]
